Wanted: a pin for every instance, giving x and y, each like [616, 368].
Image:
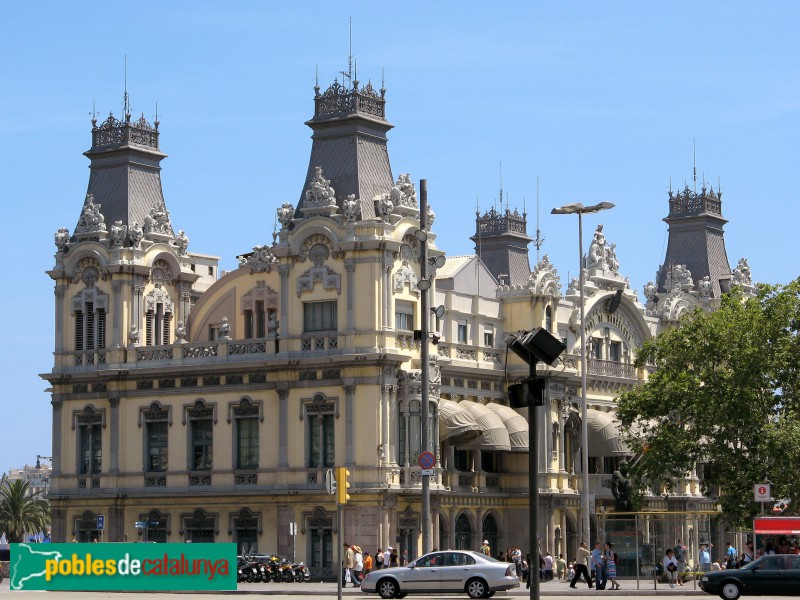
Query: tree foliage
[723, 392]
[20, 512]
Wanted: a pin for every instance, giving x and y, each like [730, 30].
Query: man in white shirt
[387, 557]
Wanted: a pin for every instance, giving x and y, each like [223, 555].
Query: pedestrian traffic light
[330, 481]
[342, 485]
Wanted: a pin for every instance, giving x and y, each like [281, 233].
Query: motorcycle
[301, 572]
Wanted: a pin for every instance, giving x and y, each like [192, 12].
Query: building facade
[212, 407]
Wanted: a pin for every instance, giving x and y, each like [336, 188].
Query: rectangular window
[213, 333]
[157, 446]
[79, 330]
[320, 441]
[248, 324]
[615, 351]
[490, 461]
[488, 335]
[202, 444]
[247, 443]
[403, 316]
[261, 319]
[462, 332]
[91, 455]
[320, 316]
[90, 326]
[596, 348]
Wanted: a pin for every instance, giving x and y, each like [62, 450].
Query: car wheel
[401, 595]
[730, 590]
[477, 588]
[387, 588]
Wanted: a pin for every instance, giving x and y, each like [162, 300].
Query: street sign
[428, 472]
[761, 492]
[140, 524]
[101, 522]
[427, 461]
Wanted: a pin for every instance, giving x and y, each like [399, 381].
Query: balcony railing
[610, 368]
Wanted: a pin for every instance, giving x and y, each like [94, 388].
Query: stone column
[394, 423]
[113, 470]
[283, 425]
[57, 449]
[116, 333]
[350, 267]
[349, 424]
[388, 451]
[388, 263]
[283, 323]
[60, 291]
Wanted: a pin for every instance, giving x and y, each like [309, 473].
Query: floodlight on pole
[579, 209]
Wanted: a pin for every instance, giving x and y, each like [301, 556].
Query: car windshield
[775, 562]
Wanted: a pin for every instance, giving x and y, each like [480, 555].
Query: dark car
[773, 575]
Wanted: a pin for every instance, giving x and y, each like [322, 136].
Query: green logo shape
[117, 567]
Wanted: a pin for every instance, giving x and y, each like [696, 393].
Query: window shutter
[79, 330]
[149, 327]
[90, 339]
[165, 328]
[101, 329]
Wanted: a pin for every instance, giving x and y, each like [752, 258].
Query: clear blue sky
[600, 100]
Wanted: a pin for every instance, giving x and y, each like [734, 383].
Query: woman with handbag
[670, 564]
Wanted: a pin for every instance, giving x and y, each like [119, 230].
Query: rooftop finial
[126, 104]
[156, 116]
[538, 241]
[94, 114]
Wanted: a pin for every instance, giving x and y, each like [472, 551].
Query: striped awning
[604, 436]
[494, 434]
[516, 424]
[456, 424]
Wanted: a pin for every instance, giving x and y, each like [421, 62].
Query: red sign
[427, 460]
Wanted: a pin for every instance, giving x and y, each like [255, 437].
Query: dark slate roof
[125, 171]
[349, 145]
[696, 239]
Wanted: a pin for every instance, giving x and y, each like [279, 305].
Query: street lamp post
[579, 209]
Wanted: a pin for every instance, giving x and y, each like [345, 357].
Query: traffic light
[342, 485]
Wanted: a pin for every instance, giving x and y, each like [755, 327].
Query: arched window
[548, 319]
[89, 308]
[410, 439]
[463, 533]
[158, 317]
[490, 532]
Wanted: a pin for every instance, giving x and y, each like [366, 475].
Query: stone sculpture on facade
[136, 234]
[133, 334]
[285, 214]
[183, 242]
[431, 218]
[597, 250]
[351, 208]
[704, 287]
[679, 277]
[117, 234]
[272, 324]
[403, 192]
[91, 217]
[260, 260]
[180, 332]
[741, 274]
[385, 207]
[650, 290]
[611, 258]
[319, 192]
[157, 221]
[62, 239]
[225, 329]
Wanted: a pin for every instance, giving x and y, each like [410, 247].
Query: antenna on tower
[126, 105]
[694, 164]
[501, 185]
[538, 241]
[349, 74]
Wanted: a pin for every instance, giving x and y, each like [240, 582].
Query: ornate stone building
[212, 407]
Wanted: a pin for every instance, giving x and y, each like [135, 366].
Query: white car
[449, 571]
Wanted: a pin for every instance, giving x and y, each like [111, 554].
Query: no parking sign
[761, 492]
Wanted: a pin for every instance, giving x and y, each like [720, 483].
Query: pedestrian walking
[611, 565]
[582, 566]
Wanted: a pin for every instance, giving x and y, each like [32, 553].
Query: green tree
[723, 393]
[20, 512]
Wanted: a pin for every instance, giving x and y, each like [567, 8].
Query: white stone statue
[91, 217]
[320, 192]
[272, 324]
[741, 274]
[403, 192]
[183, 241]
[180, 332]
[431, 218]
[704, 287]
[133, 334]
[650, 290]
[597, 250]
[285, 214]
[611, 258]
[350, 208]
[385, 207]
[118, 233]
[62, 239]
[157, 221]
[135, 234]
[225, 329]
